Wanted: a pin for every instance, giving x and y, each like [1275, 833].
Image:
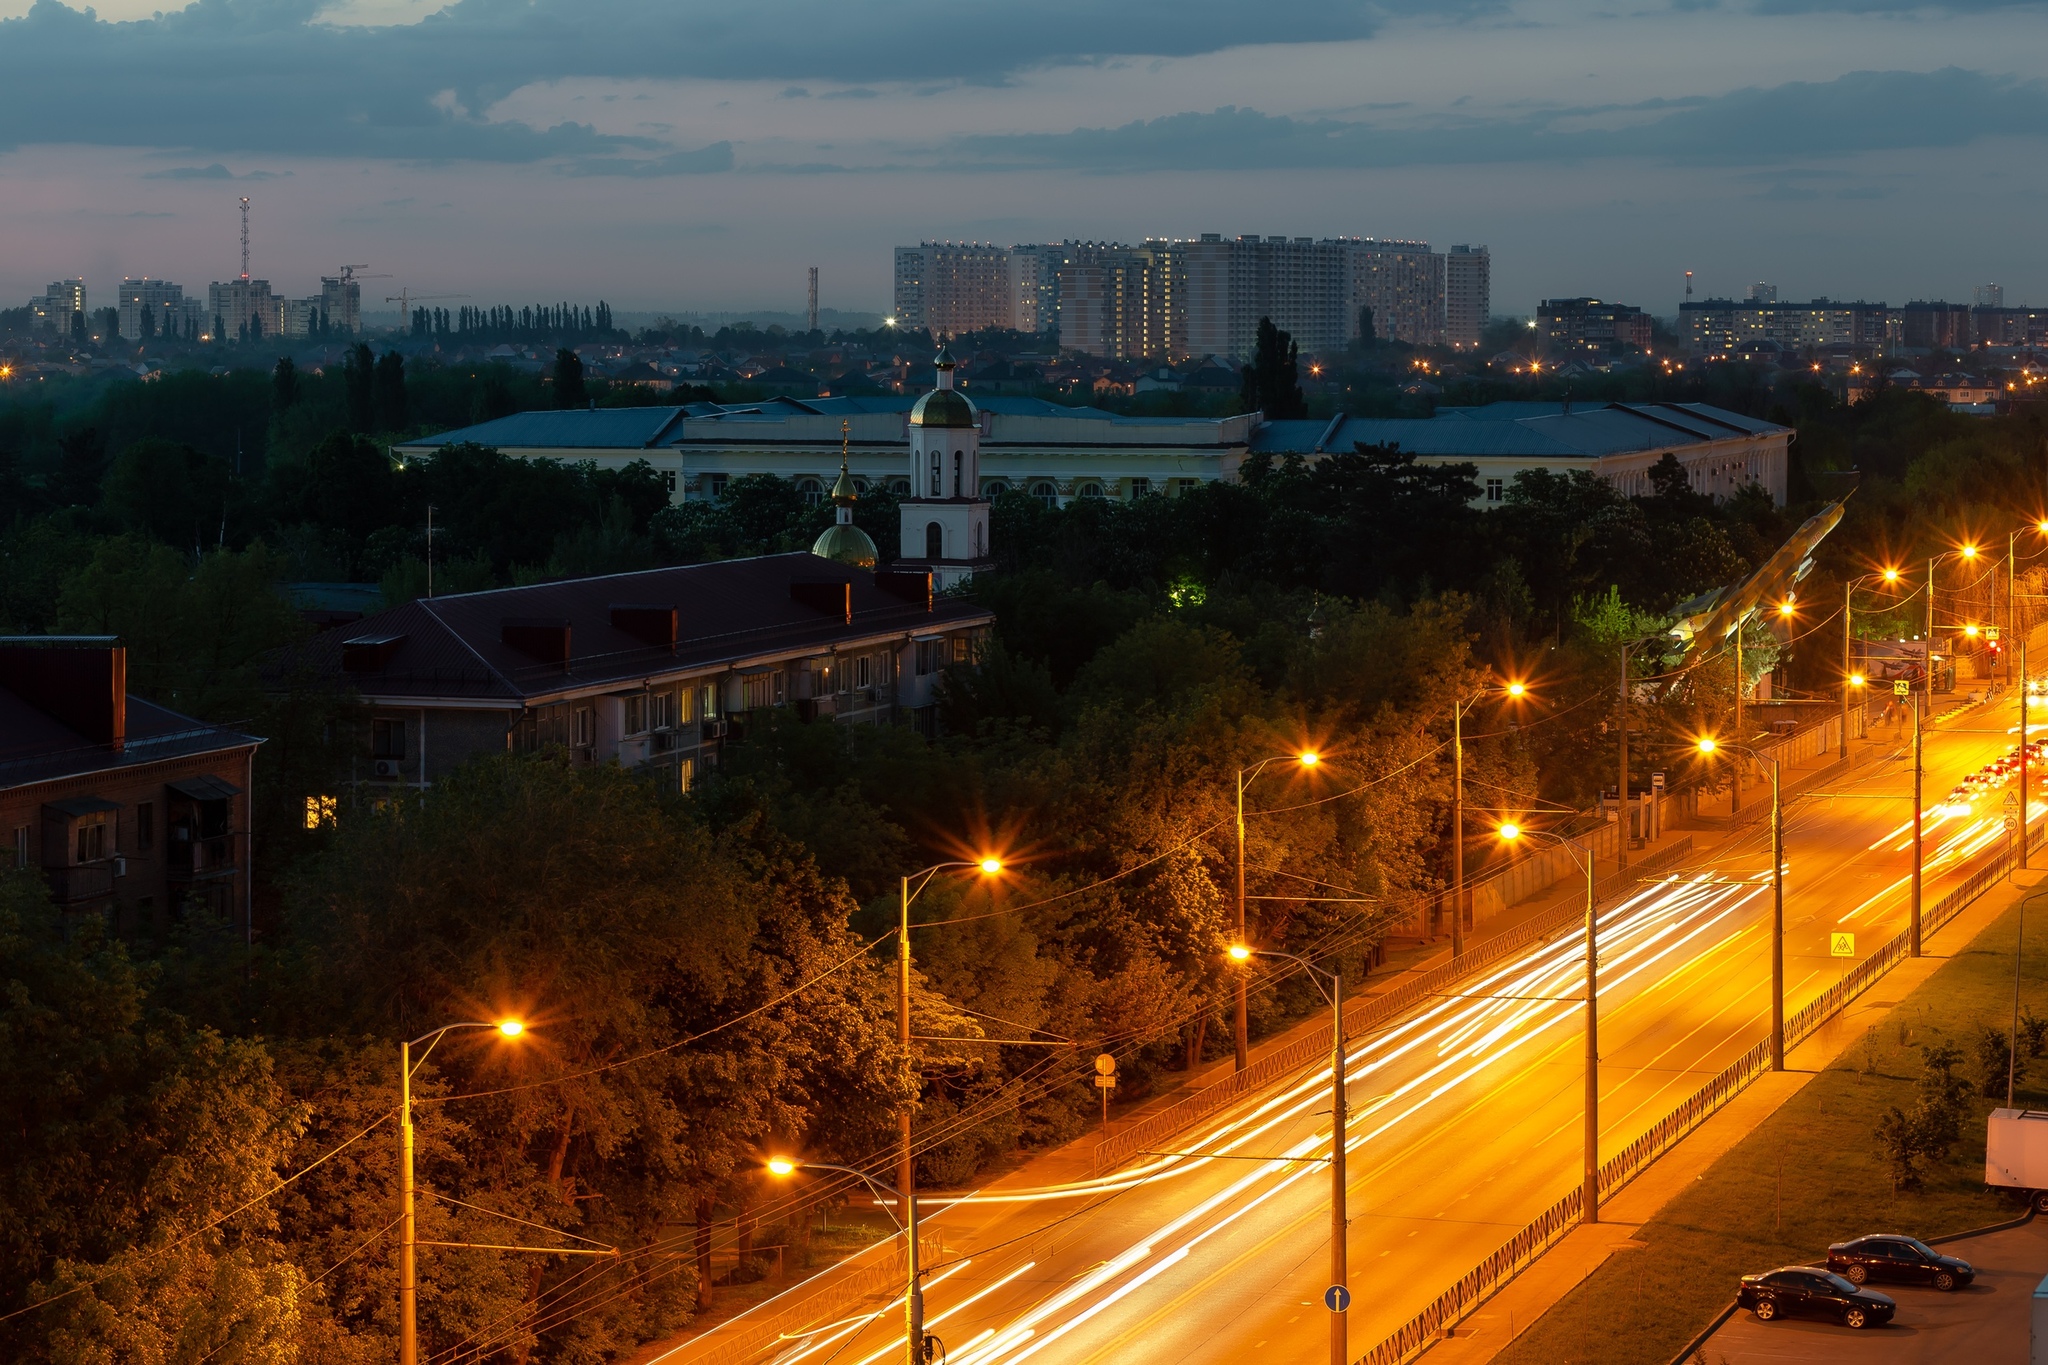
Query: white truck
[2016, 1153]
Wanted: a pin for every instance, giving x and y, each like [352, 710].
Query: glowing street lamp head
[1856, 680]
[991, 866]
[781, 1165]
[2042, 525]
[1510, 832]
[1309, 758]
[1891, 575]
[511, 1028]
[1785, 607]
[1518, 690]
[1970, 631]
[1707, 744]
[1239, 953]
[1969, 552]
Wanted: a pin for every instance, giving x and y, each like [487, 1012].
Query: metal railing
[758, 1329]
[1370, 1015]
[1448, 1308]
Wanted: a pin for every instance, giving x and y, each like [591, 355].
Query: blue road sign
[1336, 1298]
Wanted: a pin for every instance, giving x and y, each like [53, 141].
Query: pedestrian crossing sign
[1902, 688]
[1841, 945]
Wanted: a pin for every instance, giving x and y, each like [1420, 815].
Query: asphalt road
[1466, 1115]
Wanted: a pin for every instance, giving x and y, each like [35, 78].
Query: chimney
[78, 680]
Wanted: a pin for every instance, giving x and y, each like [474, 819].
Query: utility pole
[1240, 1023]
[245, 236]
[408, 1274]
[1590, 1196]
[1457, 829]
[906, 1166]
[1340, 1265]
[2024, 756]
[1741, 734]
[430, 549]
[1919, 706]
[1848, 647]
[814, 299]
[1621, 782]
[1777, 919]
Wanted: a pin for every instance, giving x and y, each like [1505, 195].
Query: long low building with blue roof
[1057, 453]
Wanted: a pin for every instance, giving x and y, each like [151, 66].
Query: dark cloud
[1860, 112]
[214, 172]
[265, 75]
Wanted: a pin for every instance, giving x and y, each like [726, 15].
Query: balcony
[200, 860]
[85, 882]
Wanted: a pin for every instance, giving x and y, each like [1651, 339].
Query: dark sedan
[1805, 1291]
[1901, 1260]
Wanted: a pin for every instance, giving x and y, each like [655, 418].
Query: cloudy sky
[678, 154]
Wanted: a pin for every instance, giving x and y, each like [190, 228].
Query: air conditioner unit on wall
[387, 767]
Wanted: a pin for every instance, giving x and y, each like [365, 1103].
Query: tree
[1368, 338]
[389, 399]
[284, 384]
[169, 491]
[569, 392]
[358, 378]
[1272, 382]
[81, 468]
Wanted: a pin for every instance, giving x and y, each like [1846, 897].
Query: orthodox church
[944, 526]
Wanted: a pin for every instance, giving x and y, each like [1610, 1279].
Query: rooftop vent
[545, 640]
[369, 653]
[655, 624]
[831, 596]
[911, 587]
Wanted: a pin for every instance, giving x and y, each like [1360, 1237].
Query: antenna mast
[814, 299]
[245, 236]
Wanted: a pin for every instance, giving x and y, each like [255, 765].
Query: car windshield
[1838, 1284]
[1919, 1246]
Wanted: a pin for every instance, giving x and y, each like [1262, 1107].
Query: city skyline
[709, 171]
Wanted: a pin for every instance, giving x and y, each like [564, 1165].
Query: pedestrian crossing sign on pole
[1841, 945]
[1902, 688]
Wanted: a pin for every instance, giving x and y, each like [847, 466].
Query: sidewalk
[1536, 1290]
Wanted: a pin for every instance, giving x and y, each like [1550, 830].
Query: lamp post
[1340, 1266]
[1240, 1037]
[906, 1165]
[408, 1237]
[914, 1352]
[1852, 678]
[2012, 601]
[1589, 1200]
[1710, 747]
[2012, 1042]
[1459, 706]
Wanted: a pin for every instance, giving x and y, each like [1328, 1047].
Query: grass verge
[1812, 1173]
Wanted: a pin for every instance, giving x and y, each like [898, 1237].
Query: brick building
[129, 810]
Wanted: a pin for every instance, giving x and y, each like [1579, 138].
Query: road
[1466, 1115]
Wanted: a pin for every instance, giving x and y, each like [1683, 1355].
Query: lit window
[320, 810]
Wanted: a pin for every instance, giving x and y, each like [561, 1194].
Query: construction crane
[349, 276]
[405, 299]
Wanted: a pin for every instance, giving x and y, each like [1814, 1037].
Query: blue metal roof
[614, 428]
[1523, 430]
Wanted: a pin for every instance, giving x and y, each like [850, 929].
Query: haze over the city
[701, 157]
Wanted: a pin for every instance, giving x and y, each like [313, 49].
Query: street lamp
[1709, 747]
[1589, 1199]
[408, 1237]
[1514, 691]
[916, 1350]
[2019, 948]
[1338, 1300]
[1307, 758]
[1856, 680]
[906, 1167]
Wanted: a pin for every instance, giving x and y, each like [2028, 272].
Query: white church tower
[945, 518]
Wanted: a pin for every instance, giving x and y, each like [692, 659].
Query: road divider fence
[1473, 1288]
[1370, 1015]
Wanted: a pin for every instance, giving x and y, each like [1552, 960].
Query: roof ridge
[424, 604]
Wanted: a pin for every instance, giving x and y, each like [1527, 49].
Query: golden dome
[847, 544]
[943, 408]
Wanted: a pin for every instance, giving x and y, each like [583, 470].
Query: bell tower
[945, 518]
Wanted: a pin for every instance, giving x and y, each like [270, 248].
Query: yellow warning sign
[1841, 945]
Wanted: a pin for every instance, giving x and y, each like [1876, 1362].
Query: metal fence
[760, 1328]
[1449, 1307]
[1370, 1015]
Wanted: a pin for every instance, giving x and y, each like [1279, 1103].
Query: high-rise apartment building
[245, 309]
[1594, 326]
[153, 308]
[55, 307]
[1468, 295]
[1761, 292]
[1403, 284]
[341, 301]
[1936, 326]
[1988, 296]
[1719, 326]
[953, 287]
[1035, 286]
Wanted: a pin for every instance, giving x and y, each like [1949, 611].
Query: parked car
[1804, 1290]
[1902, 1260]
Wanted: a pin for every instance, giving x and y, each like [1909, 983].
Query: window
[900, 487]
[387, 739]
[930, 657]
[707, 701]
[686, 774]
[686, 706]
[860, 486]
[995, 489]
[1047, 492]
[960, 643]
[668, 482]
[959, 464]
[661, 710]
[21, 835]
[636, 714]
[145, 826]
[714, 484]
[1495, 489]
[1141, 487]
[583, 728]
[934, 541]
[762, 689]
[864, 671]
[937, 472]
[811, 491]
[92, 842]
[320, 810]
[1089, 490]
